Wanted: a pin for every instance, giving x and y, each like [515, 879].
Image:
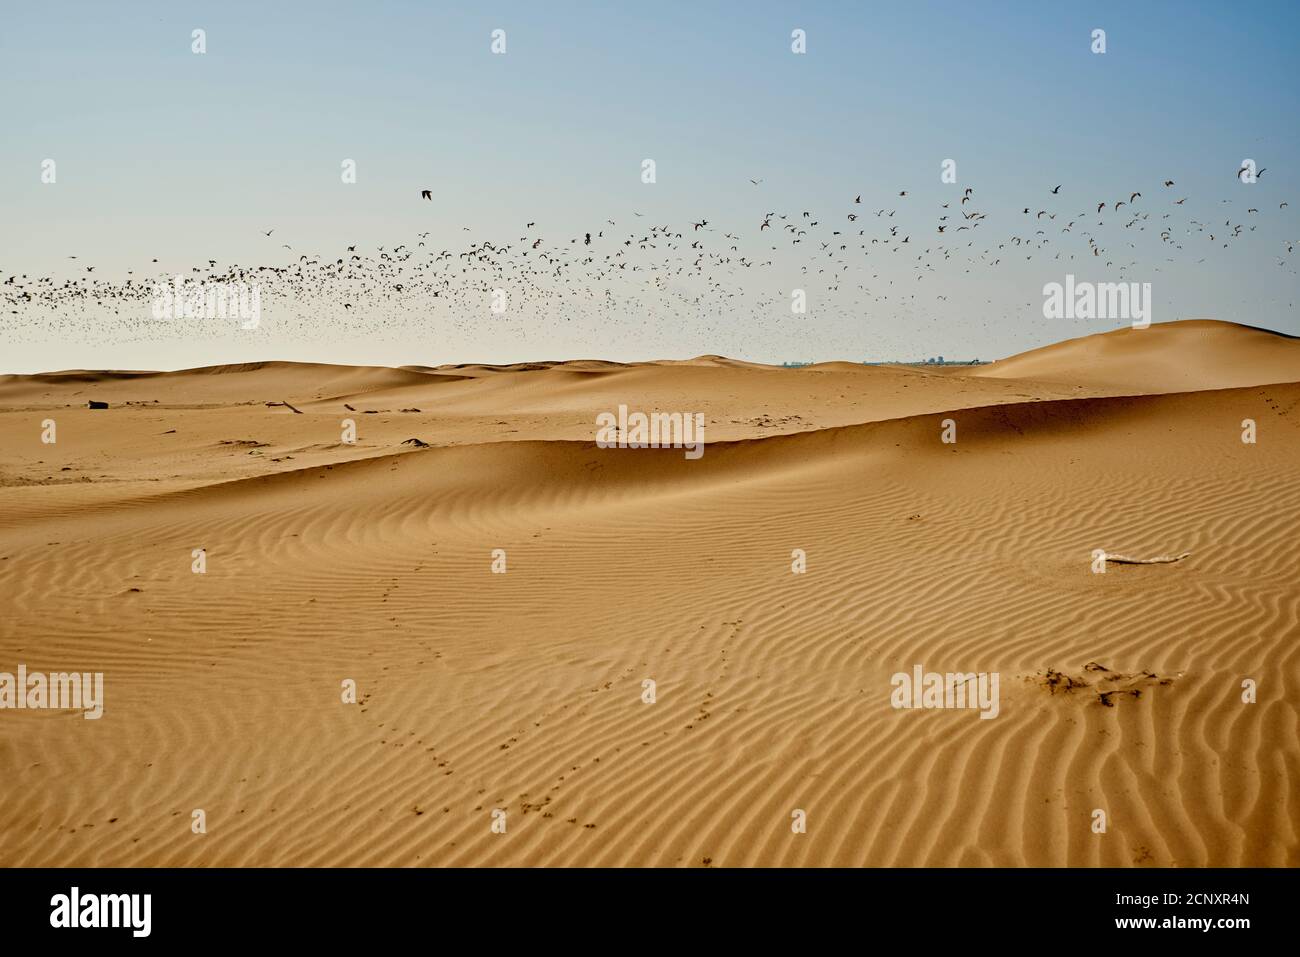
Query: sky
[162, 153]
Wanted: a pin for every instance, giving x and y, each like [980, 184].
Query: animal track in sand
[1097, 680]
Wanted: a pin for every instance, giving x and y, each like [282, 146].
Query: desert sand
[523, 691]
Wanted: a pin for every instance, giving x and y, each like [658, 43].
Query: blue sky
[162, 153]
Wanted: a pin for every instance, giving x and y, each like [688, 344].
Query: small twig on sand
[1158, 560]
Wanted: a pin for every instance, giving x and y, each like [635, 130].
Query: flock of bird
[858, 256]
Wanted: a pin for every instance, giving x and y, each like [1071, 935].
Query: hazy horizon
[939, 358]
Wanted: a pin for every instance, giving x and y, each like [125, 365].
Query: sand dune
[1167, 357]
[523, 691]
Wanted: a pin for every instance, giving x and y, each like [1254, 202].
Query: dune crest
[1181, 356]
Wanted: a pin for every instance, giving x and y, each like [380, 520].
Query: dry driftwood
[1158, 560]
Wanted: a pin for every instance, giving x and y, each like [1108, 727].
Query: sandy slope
[523, 691]
[1184, 356]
